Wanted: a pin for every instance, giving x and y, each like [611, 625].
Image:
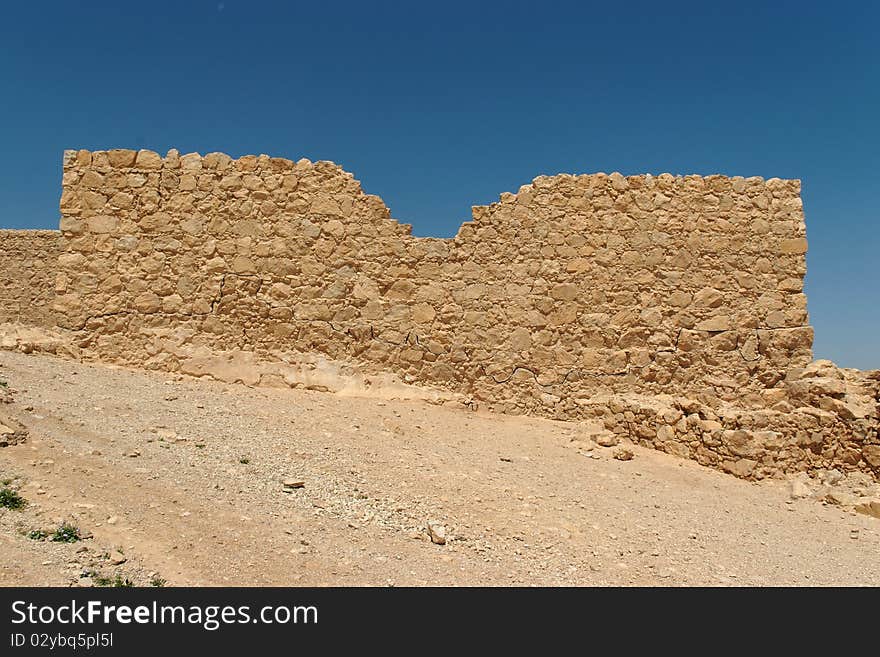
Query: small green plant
[10, 499]
[3, 384]
[6, 482]
[244, 460]
[157, 581]
[99, 579]
[37, 534]
[66, 533]
[119, 582]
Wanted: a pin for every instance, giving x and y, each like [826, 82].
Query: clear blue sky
[437, 106]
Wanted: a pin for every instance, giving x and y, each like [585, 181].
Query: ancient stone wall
[574, 284]
[28, 265]
[665, 309]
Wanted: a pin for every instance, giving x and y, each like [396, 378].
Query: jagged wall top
[649, 188]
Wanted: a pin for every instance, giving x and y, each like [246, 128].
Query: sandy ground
[180, 481]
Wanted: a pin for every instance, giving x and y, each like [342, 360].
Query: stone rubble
[437, 532]
[12, 432]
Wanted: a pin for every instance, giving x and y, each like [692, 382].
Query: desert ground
[178, 481]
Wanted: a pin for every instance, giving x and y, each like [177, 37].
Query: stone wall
[28, 265]
[666, 309]
[574, 284]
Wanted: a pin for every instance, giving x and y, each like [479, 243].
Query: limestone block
[708, 297]
[796, 246]
[121, 157]
[148, 160]
[717, 323]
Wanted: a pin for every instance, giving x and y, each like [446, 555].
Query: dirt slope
[181, 480]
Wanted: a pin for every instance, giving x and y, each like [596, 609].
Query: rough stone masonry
[669, 309]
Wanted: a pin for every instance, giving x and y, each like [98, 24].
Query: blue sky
[439, 106]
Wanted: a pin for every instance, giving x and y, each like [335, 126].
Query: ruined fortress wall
[573, 286]
[668, 310]
[28, 264]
